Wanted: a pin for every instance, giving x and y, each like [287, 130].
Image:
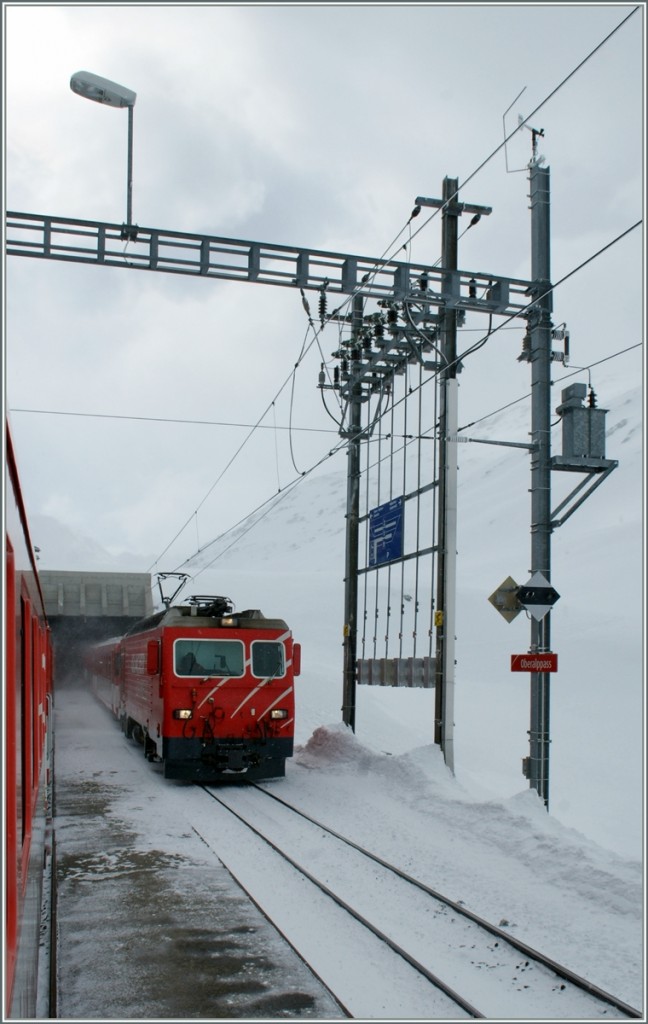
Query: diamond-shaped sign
[505, 599]
[537, 596]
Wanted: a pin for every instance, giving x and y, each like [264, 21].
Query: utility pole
[352, 524]
[395, 286]
[540, 358]
[447, 504]
[445, 613]
[403, 288]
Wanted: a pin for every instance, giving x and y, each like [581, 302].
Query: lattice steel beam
[174, 252]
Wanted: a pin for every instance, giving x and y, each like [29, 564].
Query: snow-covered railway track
[424, 957]
[365, 976]
[502, 936]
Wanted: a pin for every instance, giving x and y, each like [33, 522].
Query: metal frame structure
[175, 252]
[423, 305]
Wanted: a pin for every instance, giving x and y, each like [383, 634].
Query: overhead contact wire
[382, 261]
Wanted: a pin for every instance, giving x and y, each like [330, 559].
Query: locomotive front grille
[194, 760]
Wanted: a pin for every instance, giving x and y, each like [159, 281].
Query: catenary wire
[168, 419]
[290, 376]
[574, 373]
[522, 398]
[274, 499]
[412, 235]
[385, 259]
[473, 348]
[491, 332]
[382, 261]
[528, 118]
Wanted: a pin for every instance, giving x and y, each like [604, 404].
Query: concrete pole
[540, 332]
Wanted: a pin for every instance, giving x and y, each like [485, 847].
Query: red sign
[547, 662]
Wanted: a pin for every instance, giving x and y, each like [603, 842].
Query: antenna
[509, 170]
[536, 133]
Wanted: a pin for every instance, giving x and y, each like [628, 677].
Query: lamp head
[101, 90]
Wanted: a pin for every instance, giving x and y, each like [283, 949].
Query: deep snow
[505, 860]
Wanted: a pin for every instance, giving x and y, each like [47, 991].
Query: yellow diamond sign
[505, 599]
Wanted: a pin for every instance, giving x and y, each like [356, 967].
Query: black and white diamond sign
[537, 596]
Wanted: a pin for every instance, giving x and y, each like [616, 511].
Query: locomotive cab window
[267, 659]
[208, 658]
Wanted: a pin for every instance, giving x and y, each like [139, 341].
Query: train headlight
[279, 713]
[229, 620]
[183, 713]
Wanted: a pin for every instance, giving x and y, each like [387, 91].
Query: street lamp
[103, 91]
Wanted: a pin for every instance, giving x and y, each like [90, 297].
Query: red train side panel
[28, 685]
[208, 692]
[100, 664]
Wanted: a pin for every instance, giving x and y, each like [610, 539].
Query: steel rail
[522, 947]
[345, 1010]
[431, 977]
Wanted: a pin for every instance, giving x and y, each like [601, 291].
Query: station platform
[148, 923]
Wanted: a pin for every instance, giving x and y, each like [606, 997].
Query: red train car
[27, 763]
[207, 691]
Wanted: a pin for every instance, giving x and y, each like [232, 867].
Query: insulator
[305, 303]
[379, 329]
[392, 315]
[336, 376]
[322, 307]
[423, 282]
[525, 354]
[322, 376]
[472, 288]
[345, 366]
[592, 399]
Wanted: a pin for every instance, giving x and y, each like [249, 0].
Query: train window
[267, 659]
[209, 658]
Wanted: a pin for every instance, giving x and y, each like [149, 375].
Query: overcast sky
[308, 125]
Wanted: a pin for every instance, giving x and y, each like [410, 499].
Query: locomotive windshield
[267, 659]
[209, 658]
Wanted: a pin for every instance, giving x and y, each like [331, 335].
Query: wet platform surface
[150, 924]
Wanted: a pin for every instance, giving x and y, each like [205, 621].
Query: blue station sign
[386, 532]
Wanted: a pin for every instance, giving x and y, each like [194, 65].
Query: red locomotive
[207, 691]
[27, 763]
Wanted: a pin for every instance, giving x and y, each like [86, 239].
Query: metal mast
[540, 357]
[352, 521]
[447, 501]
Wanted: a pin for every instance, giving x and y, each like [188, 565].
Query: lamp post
[101, 90]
